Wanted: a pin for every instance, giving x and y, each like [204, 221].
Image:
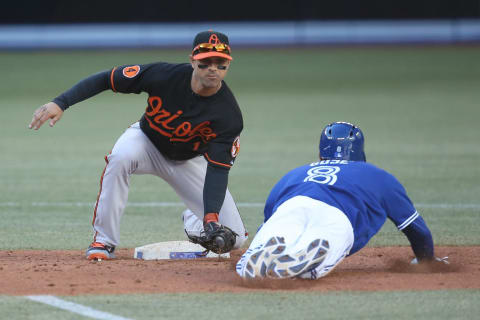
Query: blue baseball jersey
[366, 194]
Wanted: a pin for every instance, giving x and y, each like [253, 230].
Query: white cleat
[258, 262]
[304, 261]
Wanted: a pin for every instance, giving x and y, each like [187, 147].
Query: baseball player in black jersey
[188, 136]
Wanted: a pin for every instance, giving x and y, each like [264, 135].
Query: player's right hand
[48, 111]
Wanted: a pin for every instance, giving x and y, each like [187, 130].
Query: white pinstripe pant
[134, 153]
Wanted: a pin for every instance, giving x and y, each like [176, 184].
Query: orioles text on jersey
[159, 120]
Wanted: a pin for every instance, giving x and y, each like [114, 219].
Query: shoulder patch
[131, 71]
[235, 147]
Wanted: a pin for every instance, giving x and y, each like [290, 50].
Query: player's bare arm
[48, 111]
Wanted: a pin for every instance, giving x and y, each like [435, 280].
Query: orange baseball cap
[211, 44]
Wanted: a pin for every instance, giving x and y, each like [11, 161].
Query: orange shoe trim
[97, 245]
[98, 255]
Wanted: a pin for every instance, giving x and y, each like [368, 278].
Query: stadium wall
[313, 32]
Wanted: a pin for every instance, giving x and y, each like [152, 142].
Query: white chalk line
[465, 206]
[75, 308]
[129, 204]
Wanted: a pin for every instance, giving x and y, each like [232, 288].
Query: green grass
[454, 304]
[418, 107]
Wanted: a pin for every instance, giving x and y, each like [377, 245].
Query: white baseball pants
[134, 153]
[300, 220]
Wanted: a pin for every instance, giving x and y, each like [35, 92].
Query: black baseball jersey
[180, 123]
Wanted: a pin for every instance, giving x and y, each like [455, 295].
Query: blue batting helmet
[342, 140]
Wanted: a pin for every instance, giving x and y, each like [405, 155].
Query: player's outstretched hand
[435, 260]
[48, 111]
[433, 265]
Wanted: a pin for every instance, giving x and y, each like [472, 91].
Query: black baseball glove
[215, 237]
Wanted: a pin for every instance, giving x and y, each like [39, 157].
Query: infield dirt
[372, 269]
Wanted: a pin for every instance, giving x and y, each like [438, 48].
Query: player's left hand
[443, 260]
[215, 237]
[48, 111]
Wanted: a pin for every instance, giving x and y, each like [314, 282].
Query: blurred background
[407, 72]
[149, 23]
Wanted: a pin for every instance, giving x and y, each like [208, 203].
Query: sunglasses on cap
[208, 47]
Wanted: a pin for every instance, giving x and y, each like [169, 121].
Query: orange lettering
[155, 107]
[196, 145]
[154, 127]
[159, 120]
[213, 39]
[165, 123]
[204, 131]
[183, 129]
[163, 114]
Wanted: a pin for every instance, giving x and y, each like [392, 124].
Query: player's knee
[124, 161]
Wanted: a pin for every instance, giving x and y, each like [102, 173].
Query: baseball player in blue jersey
[319, 213]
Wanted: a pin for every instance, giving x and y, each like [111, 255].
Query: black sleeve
[420, 239]
[142, 77]
[223, 153]
[83, 90]
[214, 189]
